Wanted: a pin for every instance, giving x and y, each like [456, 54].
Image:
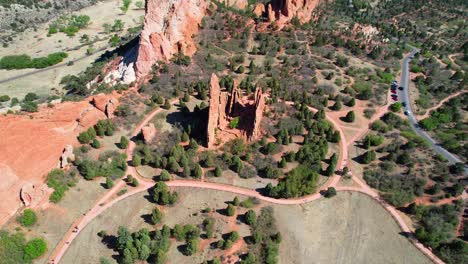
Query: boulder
[259, 9]
[105, 103]
[34, 195]
[148, 132]
[66, 156]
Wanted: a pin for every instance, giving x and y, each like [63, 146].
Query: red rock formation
[66, 155]
[168, 29]
[225, 106]
[234, 97]
[259, 9]
[105, 103]
[283, 11]
[148, 132]
[214, 110]
[34, 195]
[31, 145]
[259, 108]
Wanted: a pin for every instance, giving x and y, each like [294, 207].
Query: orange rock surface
[225, 106]
[31, 145]
[283, 11]
[168, 29]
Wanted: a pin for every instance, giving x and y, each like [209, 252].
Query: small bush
[28, 218]
[35, 248]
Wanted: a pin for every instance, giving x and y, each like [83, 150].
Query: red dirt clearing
[31, 145]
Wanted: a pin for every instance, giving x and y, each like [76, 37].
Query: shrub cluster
[17, 62]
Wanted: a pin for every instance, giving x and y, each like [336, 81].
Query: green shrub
[123, 142]
[57, 180]
[4, 98]
[234, 123]
[96, 144]
[87, 136]
[35, 248]
[28, 218]
[299, 182]
[350, 117]
[396, 107]
[330, 192]
[17, 62]
[29, 107]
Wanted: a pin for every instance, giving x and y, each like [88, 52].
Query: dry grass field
[349, 228]
[36, 44]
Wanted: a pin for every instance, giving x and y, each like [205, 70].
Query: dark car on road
[401, 88]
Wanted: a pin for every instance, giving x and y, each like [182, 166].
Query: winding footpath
[446, 99]
[112, 197]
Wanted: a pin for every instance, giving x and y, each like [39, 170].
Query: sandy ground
[38, 44]
[350, 228]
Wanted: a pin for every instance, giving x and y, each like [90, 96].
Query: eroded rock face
[106, 103]
[225, 106]
[66, 156]
[214, 110]
[33, 196]
[259, 108]
[168, 29]
[148, 132]
[283, 11]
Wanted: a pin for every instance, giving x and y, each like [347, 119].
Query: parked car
[394, 91]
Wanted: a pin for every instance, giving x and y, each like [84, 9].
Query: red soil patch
[31, 146]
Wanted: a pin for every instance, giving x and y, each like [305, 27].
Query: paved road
[404, 97]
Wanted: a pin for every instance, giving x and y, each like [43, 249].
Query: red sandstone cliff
[283, 11]
[168, 29]
[170, 25]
